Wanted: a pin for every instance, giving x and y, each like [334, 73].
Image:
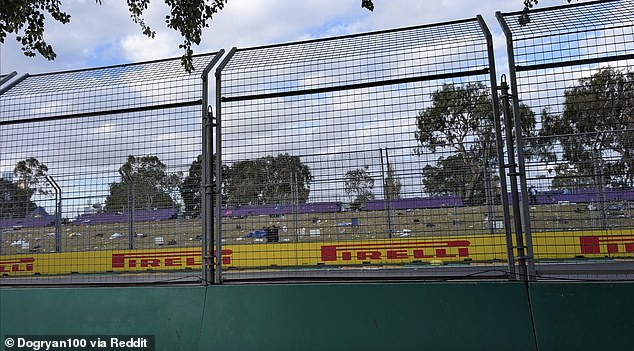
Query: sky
[104, 34]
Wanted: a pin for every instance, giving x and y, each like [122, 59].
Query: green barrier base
[583, 316]
[406, 316]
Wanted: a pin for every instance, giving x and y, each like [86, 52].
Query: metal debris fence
[392, 155]
[336, 121]
[91, 162]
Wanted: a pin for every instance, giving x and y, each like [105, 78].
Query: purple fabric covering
[583, 196]
[413, 203]
[38, 218]
[271, 209]
[161, 214]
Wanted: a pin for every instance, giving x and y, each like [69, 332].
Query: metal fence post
[218, 165]
[130, 185]
[521, 163]
[513, 174]
[58, 213]
[499, 143]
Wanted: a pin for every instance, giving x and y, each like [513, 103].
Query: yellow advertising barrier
[480, 248]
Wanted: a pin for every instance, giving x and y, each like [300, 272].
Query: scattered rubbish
[74, 234]
[116, 235]
[141, 235]
[171, 242]
[18, 242]
[259, 233]
[405, 233]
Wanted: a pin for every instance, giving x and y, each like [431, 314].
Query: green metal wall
[407, 316]
[583, 316]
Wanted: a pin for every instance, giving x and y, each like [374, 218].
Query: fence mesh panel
[96, 174]
[574, 71]
[325, 165]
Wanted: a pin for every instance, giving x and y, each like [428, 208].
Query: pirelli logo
[395, 251]
[160, 259]
[615, 244]
[17, 265]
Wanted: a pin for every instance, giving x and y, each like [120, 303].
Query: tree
[359, 186]
[31, 174]
[15, 197]
[15, 201]
[595, 132]
[151, 185]
[392, 185]
[460, 124]
[283, 179]
[25, 18]
[524, 18]
[190, 189]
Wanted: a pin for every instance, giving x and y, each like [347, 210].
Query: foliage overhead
[25, 19]
[525, 18]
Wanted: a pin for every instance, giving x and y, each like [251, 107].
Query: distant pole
[58, 213]
[387, 196]
[130, 184]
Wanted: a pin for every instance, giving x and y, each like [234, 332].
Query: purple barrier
[38, 218]
[583, 196]
[161, 214]
[414, 203]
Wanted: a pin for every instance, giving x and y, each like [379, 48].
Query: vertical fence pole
[130, 185]
[513, 174]
[499, 143]
[218, 165]
[207, 185]
[519, 140]
[58, 213]
[207, 194]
